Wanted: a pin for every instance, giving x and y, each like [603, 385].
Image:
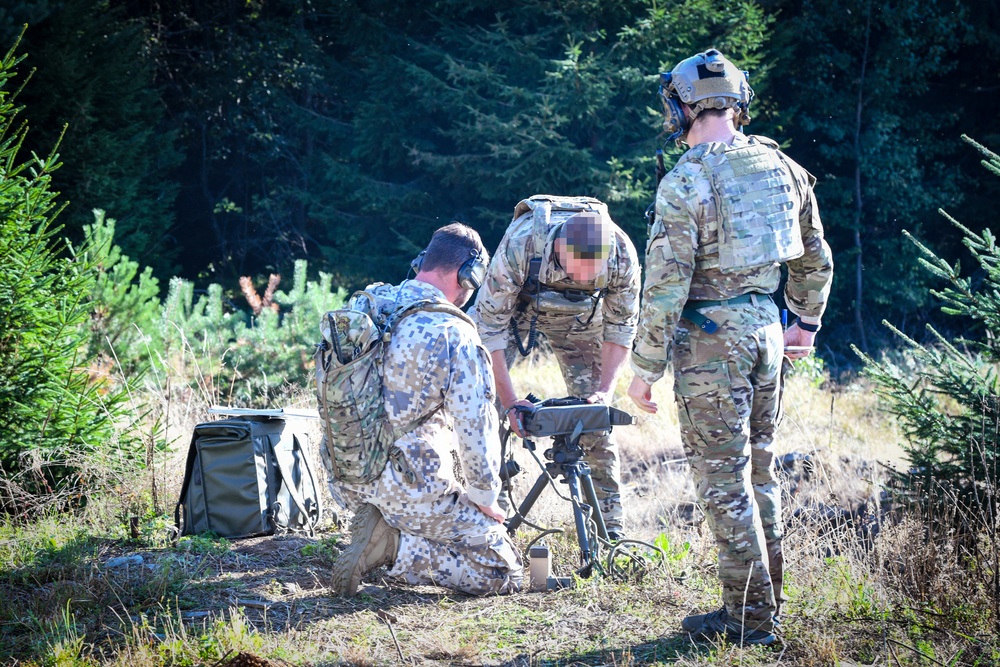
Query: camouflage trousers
[727, 388]
[577, 349]
[445, 540]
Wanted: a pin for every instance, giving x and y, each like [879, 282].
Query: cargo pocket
[661, 262]
[707, 399]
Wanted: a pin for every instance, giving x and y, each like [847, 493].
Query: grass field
[107, 586]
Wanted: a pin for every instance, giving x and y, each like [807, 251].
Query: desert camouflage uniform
[575, 341]
[438, 375]
[727, 383]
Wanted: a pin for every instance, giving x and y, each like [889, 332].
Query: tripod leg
[587, 482]
[529, 500]
[573, 481]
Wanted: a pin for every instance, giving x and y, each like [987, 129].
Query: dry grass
[257, 602]
[842, 431]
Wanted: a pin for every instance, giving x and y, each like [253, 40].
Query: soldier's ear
[559, 247]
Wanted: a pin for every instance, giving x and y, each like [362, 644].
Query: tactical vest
[757, 206]
[545, 213]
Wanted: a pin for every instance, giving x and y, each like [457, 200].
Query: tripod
[565, 461]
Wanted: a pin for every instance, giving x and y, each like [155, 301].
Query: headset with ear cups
[470, 275]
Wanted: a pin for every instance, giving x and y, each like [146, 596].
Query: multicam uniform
[571, 316]
[726, 217]
[438, 377]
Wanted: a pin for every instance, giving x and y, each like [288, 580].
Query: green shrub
[126, 303]
[236, 357]
[951, 410]
[948, 403]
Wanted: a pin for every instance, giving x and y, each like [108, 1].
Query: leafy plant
[812, 368]
[324, 549]
[207, 543]
[671, 552]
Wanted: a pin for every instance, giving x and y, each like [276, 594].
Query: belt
[691, 309]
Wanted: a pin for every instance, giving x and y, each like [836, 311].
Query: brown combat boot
[373, 543]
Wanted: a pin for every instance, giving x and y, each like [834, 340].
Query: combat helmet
[704, 81]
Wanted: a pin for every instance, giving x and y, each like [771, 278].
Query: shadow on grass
[38, 577]
[667, 649]
[275, 584]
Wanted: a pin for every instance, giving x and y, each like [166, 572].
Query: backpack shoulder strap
[426, 305]
[541, 207]
[285, 468]
[308, 468]
[416, 307]
[541, 218]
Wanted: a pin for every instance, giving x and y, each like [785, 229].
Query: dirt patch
[244, 660]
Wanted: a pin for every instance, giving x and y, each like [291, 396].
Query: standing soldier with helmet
[565, 270]
[730, 212]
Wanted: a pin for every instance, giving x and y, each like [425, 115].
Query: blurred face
[580, 268]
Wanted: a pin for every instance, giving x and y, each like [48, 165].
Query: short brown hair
[721, 113]
[588, 235]
[451, 246]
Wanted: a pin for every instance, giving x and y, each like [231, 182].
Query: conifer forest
[230, 138]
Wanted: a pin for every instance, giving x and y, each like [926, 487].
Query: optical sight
[570, 416]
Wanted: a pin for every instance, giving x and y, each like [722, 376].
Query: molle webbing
[757, 207]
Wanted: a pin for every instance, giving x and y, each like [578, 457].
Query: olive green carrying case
[246, 477]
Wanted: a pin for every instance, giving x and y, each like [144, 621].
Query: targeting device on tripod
[565, 420]
[557, 417]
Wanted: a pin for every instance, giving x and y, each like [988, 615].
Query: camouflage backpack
[358, 437]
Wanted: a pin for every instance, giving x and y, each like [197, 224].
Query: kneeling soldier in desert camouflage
[438, 386]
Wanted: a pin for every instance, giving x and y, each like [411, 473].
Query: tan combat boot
[373, 543]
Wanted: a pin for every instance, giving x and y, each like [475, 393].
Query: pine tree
[94, 74]
[459, 114]
[950, 412]
[125, 311]
[868, 88]
[56, 421]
